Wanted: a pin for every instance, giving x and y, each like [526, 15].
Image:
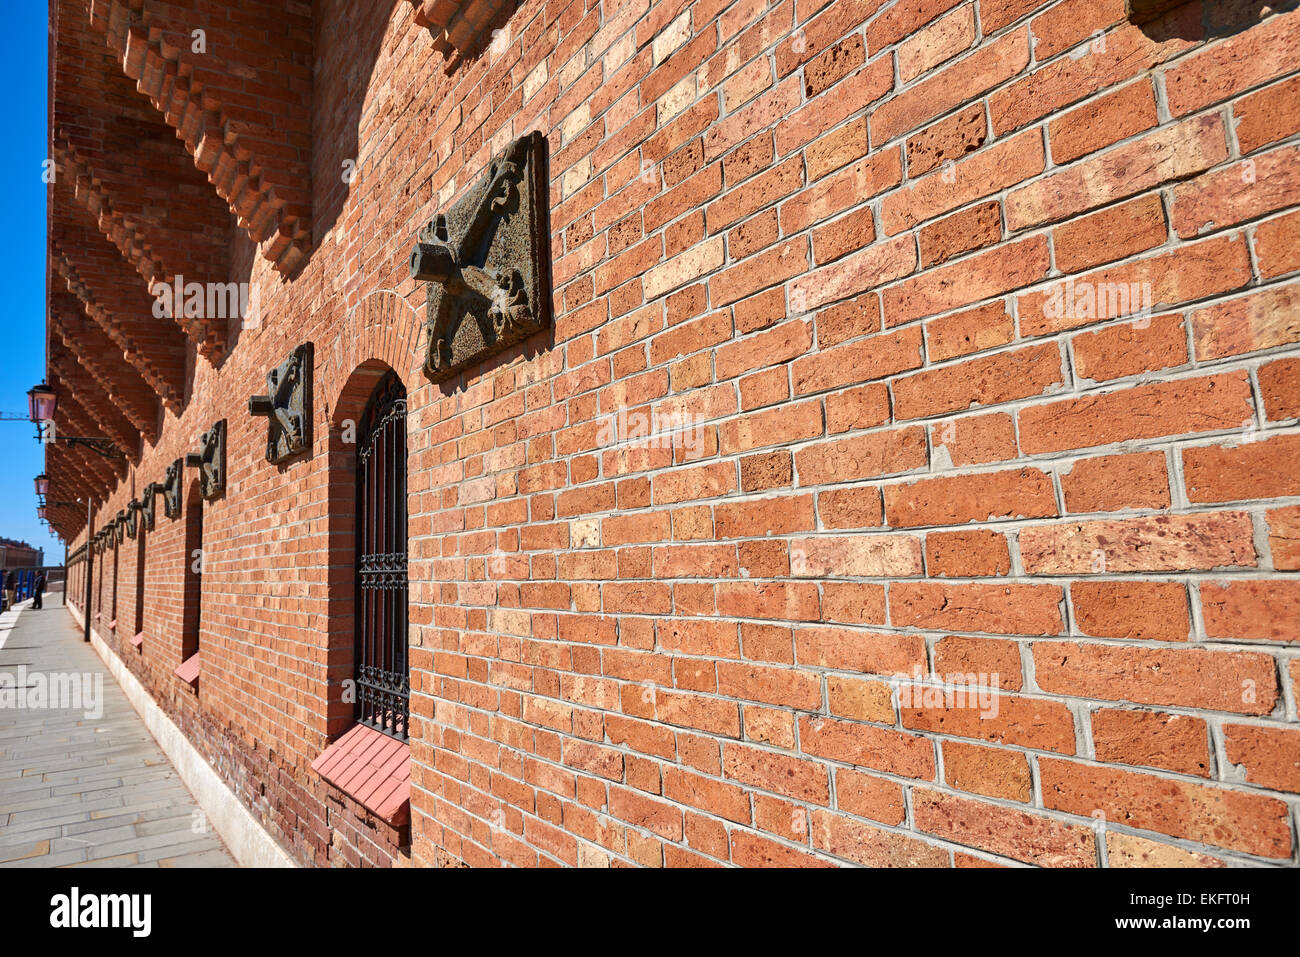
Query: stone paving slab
[87, 786]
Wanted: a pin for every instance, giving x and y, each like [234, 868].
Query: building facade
[16, 554]
[694, 432]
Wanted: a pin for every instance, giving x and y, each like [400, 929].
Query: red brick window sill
[189, 670]
[138, 640]
[373, 769]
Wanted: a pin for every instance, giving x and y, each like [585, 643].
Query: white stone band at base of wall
[245, 838]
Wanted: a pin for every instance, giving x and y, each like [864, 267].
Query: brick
[1265, 610]
[993, 609]
[940, 41]
[856, 556]
[996, 14]
[1269, 756]
[1277, 245]
[750, 850]
[843, 236]
[874, 357]
[1181, 407]
[1279, 387]
[947, 140]
[849, 508]
[1111, 483]
[969, 331]
[1253, 188]
[868, 746]
[961, 233]
[836, 149]
[867, 456]
[1174, 742]
[967, 554]
[1160, 543]
[859, 408]
[860, 700]
[866, 795]
[1251, 823]
[1026, 837]
[1267, 115]
[1251, 470]
[1137, 289]
[1261, 320]
[1131, 609]
[872, 846]
[1110, 234]
[955, 84]
[959, 499]
[1101, 122]
[994, 718]
[974, 440]
[1129, 850]
[848, 649]
[1284, 537]
[863, 270]
[1239, 62]
[1147, 345]
[1237, 682]
[982, 276]
[1173, 153]
[998, 661]
[1072, 22]
[1003, 377]
[991, 772]
[974, 177]
[796, 778]
[1128, 51]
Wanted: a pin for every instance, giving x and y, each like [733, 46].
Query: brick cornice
[260, 169]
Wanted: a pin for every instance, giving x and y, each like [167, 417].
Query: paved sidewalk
[81, 789]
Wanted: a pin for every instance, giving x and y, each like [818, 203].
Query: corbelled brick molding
[462, 28]
[255, 150]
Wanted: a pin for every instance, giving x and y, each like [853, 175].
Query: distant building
[16, 554]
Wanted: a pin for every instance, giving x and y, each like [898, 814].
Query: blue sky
[23, 51]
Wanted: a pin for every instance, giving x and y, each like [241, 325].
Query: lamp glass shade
[41, 512]
[41, 402]
[42, 485]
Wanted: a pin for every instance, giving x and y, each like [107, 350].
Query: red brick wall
[831, 233]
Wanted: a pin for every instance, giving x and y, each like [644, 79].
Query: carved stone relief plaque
[486, 260]
[287, 406]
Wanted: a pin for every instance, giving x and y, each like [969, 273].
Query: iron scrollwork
[486, 261]
[287, 406]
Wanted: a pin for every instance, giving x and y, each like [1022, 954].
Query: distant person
[11, 589]
[38, 590]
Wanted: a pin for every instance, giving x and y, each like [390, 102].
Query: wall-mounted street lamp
[42, 401]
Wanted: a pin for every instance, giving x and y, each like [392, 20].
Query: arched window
[138, 631]
[117, 556]
[193, 598]
[99, 585]
[383, 683]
